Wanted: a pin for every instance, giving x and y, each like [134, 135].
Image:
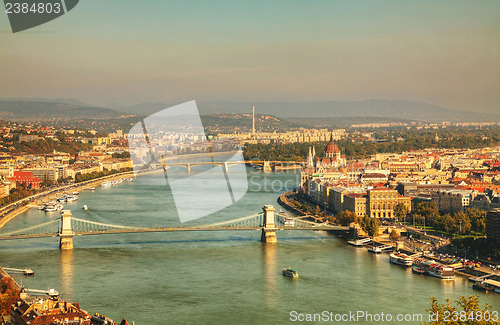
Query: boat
[105, 184]
[359, 242]
[50, 207]
[75, 193]
[71, 198]
[400, 259]
[28, 272]
[433, 268]
[92, 188]
[85, 207]
[417, 270]
[375, 249]
[290, 273]
[481, 286]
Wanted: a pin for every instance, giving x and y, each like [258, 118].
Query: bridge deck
[172, 229]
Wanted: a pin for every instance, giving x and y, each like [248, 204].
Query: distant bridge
[266, 165]
[66, 227]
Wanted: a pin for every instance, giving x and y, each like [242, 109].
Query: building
[493, 225]
[381, 202]
[41, 311]
[116, 164]
[22, 177]
[454, 200]
[356, 202]
[46, 174]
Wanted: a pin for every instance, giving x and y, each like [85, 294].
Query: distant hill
[398, 109]
[343, 112]
[32, 110]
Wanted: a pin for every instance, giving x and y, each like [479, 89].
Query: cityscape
[249, 163]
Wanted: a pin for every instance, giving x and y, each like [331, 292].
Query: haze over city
[128, 52]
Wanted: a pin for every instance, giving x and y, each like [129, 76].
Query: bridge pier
[226, 168]
[188, 165]
[66, 233]
[269, 230]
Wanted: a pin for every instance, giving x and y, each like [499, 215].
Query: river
[216, 277]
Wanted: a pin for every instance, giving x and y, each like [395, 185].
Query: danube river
[219, 277]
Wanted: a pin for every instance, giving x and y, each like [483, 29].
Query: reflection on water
[270, 273]
[66, 258]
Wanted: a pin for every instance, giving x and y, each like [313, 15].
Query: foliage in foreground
[465, 310]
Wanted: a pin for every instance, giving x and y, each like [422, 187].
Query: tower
[253, 120]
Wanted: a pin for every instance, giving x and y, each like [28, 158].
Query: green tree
[465, 310]
[400, 211]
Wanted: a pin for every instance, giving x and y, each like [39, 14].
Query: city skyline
[120, 52]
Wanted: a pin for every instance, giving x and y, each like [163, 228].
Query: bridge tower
[267, 167]
[269, 229]
[66, 233]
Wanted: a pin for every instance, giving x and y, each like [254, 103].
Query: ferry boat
[433, 268]
[290, 272]
[400, 259]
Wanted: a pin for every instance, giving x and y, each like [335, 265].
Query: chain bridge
[66, 227]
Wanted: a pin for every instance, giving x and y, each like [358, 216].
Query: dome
[332, 148]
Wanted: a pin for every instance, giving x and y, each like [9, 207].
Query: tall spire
[253, 120]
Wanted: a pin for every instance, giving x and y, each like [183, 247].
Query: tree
[465, 310]
[400, 211]
[394, 236]
[370, 226]
[8, 294]
[317, 211]
[346, 217]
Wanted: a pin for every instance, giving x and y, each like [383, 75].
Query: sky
[127, 52]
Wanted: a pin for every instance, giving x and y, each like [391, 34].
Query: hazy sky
[130, 51]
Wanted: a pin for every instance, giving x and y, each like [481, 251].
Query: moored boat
[433, 268]
[481, 286]
[290, 273]
[400, 259]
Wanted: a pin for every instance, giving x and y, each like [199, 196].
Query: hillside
[23, 110]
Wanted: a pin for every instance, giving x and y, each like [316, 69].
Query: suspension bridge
[265, 165]
[66, 227]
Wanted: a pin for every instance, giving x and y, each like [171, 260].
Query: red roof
[332, 148]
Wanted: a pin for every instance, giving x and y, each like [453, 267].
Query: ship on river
[433, 268]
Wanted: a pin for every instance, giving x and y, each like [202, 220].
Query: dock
[380, 249]
[359, 242]
[26, 271]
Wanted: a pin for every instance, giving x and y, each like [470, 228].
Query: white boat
[50, 208]
[400, 259]
[71, 198]
[375, 249]
[92, 188]
[85, 207]
[105, 184]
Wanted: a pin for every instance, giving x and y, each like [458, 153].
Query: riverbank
[9, 212]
